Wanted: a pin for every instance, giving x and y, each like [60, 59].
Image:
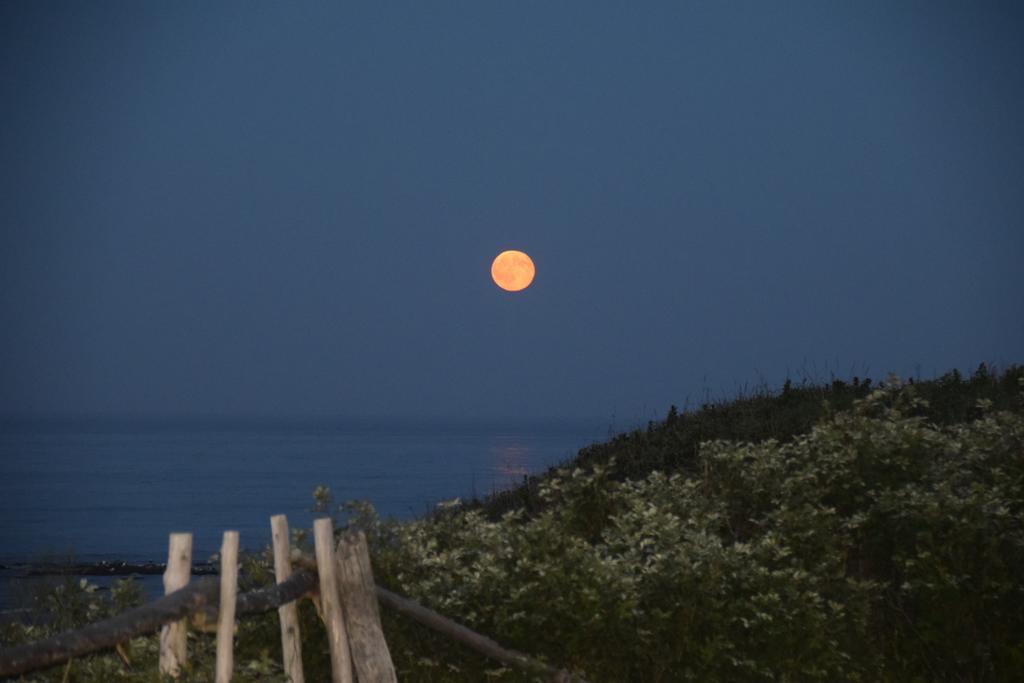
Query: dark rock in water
[103, 568]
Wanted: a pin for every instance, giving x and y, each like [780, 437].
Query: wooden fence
[339, 580]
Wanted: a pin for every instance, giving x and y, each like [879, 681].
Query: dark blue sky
[259, 208]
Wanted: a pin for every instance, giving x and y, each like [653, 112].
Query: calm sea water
[103, 489]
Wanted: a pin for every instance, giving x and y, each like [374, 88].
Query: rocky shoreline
[102, 568]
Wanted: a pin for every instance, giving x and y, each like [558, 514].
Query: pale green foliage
[875, 547]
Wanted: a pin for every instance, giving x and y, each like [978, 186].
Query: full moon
[512, 271]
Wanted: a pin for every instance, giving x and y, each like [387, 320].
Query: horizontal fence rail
[481, 644]
[200, 597]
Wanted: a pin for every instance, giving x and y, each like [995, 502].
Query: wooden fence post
[226, 609]
[291, 644]
[173, 649]
[341, 658]
[370, 654]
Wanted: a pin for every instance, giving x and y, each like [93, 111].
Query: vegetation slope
[839, 532]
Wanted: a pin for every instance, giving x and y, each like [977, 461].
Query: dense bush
[883, 543]
[878, 546]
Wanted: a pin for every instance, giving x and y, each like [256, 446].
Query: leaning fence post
[341, 659]
[370, 654]
[172, 636]
[226, 609]
[291, 648]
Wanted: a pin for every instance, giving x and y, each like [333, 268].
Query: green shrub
[878, 546]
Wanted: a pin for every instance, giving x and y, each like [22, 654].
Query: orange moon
[513, 270]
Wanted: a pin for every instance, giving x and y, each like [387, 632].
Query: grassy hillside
[671, 445]
[828, 533]
[840, 532]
